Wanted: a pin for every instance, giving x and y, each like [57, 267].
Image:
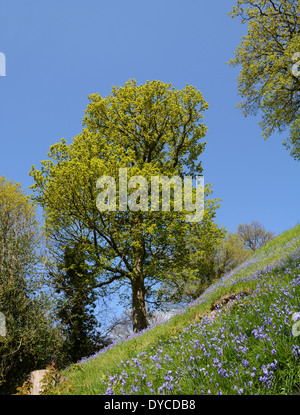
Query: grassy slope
[245, 346]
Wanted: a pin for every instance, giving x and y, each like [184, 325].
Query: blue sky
[58, 52]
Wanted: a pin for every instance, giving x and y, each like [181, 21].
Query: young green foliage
[31, 340]
[151, 130]
[269, 76]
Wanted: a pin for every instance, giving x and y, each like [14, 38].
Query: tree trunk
[139, 315]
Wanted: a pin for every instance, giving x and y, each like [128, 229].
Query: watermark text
[295, 67]
[2, 64]
[2, 325]
[140, 199]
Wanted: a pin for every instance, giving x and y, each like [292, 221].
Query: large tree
[269, 77]
[150, 130]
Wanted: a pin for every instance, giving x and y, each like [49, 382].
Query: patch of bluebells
[236, 349]
[218, 356]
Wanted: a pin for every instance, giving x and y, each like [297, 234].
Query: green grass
[245, 346]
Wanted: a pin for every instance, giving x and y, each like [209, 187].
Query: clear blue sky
[58, 52]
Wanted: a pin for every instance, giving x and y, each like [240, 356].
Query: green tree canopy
[31, 340]
[151, 130]
[269, 78]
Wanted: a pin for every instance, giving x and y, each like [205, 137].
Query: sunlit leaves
[265, 55]
[152, 130]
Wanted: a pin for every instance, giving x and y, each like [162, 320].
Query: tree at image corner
[152, 130]
[268, 55]
[31, 339]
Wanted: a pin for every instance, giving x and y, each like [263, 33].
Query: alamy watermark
[2, 64]
[2, 325]
[295, 67]
[139, 198]
[296, 326]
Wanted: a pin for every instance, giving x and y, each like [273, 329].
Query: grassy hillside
[237, 338]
